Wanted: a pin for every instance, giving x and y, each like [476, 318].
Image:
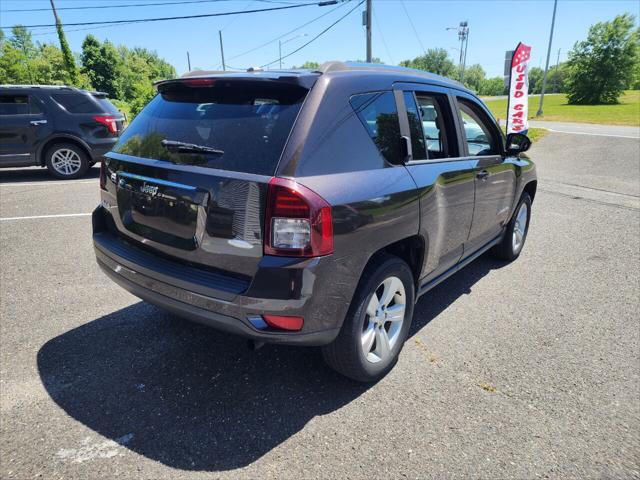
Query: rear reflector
[284, 322]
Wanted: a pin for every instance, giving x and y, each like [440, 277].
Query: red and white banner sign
[518, 114]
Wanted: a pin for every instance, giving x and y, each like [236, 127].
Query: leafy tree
[535, 80]
[436, 60]
[101, 63]
[601, 67]
[492, 86]
[474, 77]
[309, 65]
[634, 84]
[557, 78]
[17, 52]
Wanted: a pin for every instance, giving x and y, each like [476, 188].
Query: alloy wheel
[383, 320]
[66, 162]
[520, 228]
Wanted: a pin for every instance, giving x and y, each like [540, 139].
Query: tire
[66, 161]
[515, 235]
[347, 354]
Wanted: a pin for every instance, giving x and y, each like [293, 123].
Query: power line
[184, 17]
[384, 42]
[412, 26]
[317, 36]
[251, 50]
[132, 5]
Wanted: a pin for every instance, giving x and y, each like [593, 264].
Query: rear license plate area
[166, 212]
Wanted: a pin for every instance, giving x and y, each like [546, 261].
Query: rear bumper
[228, 304]
[98, 148]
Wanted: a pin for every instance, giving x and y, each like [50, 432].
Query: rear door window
[378, 113]
[247, 123]
[437, 125]
[18, 105]
[418, 145]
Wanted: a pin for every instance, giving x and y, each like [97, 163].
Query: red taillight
[284, 322]
[298, 221]
[107, 121]
[103, 177]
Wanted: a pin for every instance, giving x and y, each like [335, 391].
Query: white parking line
[35, 217]
[592, 134]
[45, 183]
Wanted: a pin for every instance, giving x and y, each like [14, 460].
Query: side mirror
[517, 143]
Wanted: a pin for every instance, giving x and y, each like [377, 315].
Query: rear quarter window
[249, 122]
[79, 103]
[378, 113]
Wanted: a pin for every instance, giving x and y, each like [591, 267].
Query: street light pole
[546, 68]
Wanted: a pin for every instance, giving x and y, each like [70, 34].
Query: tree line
[598, 68]
[125, 74]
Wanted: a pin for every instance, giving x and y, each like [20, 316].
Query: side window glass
[415, 127]
[14, 105]
[481, 140]
[34, 106]
[437, 126]
[379, 115]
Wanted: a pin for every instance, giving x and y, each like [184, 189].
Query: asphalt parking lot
[522, 370]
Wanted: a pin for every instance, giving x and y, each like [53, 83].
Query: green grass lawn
[627, 112]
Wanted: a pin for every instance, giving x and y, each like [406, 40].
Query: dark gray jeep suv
[309, 207]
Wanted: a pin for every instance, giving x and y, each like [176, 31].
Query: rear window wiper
[182, 147]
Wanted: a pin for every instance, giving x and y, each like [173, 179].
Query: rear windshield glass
[106, 105]
[245, 123]
[84, 103]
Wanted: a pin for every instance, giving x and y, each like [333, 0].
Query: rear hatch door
[189, 176]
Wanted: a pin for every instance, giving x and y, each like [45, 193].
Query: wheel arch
[531, 188]
[410, 249]
[59, 138]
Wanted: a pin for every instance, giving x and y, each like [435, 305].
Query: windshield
[249, 123]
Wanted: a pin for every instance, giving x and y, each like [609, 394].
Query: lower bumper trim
[192, 306]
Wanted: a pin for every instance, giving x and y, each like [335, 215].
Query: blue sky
[495, 26]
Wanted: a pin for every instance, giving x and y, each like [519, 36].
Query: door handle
[482, 175]
[38, 122]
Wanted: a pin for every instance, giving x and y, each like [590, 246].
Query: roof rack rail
[66, 87]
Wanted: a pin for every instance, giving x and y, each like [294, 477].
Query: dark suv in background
[63, 128]
[310, 207]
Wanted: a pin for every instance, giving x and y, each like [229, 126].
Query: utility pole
[280, 53]
[555, 78]
[546, 68]
[67, 55]
[224, 67]
[188, 60]
[368, 24]
[463, 36]
[466, 45]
